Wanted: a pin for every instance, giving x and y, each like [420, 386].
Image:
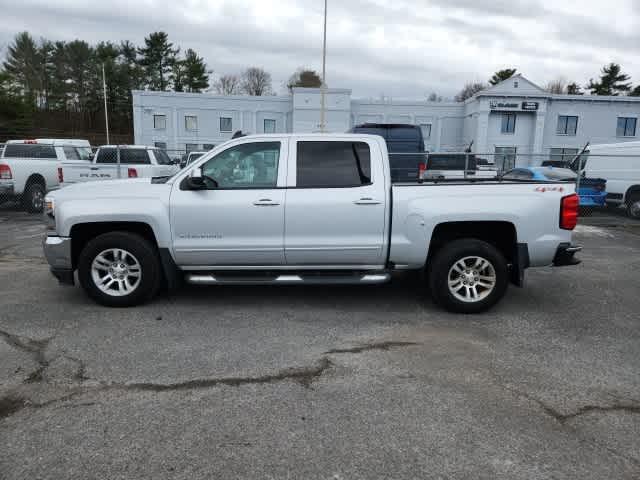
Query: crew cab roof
[147, 147]
[56, 142]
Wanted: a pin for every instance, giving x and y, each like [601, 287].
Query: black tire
[33, 198]
[633, 209]
[144, 252]
[444, 260]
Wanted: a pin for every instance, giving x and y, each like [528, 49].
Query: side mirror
[195, 180]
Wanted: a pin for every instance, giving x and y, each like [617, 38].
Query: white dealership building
[513, 117]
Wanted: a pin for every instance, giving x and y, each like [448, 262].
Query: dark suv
[401, 139]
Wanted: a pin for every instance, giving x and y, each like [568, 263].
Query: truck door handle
[367, 201]
[265, 202]
[94, 168]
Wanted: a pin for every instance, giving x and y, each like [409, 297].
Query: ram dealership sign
[511, 105]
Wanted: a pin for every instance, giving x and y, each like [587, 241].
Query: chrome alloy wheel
[116, 272]
[471, 279]
[37, 200]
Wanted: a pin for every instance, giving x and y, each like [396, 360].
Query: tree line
[611, 81]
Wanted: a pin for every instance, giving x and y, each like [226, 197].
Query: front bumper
[565, 255]
[57, 251]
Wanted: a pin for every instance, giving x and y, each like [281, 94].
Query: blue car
[592, 191]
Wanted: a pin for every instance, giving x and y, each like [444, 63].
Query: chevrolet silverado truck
[30, 168]
[305, 209]
[119, 161]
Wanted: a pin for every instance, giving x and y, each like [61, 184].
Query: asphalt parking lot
[323, 383]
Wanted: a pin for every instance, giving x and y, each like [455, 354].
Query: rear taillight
[569, 212]
[132, 173]
[422, 167]
[60, 175]
[5, 172]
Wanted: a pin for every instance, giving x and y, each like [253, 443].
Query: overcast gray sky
[400, 48]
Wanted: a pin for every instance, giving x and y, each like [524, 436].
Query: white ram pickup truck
[30, 168]
[306, 209]
[122, 161]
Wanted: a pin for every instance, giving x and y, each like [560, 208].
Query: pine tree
[304, 77]
[158, 59]
[23, 66]
[612, 81]
[502, 75]
[196, 76]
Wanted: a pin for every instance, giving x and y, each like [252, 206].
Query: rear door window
[451, 162]
[404, 133]
[71, 153]
[162, 158]
[29, 150]
[138, 156]
[333, 164]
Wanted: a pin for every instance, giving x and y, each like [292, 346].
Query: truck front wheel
[33, 198]
[119, 269]
[468, 276]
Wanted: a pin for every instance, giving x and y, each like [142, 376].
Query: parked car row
[609, 174]
[31, 168]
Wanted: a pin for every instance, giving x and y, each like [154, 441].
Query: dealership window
[160, 122]
[226, 124]
[505, 158]
[426, 130]
[190, 147]
[208, 146]
[508, 123]
[567, 125]
[626, 127]
[190, 122]
[162, 145]
[269, 125]
[333, 164]
[563, 154]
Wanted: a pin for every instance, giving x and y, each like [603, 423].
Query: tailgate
[74, 173]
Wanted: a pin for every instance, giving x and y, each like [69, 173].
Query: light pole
[323, 87]
[106, 114]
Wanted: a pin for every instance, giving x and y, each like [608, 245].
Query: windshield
[84, 153]
[162, 158]
[29, 150]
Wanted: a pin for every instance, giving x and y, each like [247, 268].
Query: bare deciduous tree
[469, 90]
[557, 86]
[229, 84]
[256, 81]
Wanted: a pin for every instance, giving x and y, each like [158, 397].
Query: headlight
[49, 206]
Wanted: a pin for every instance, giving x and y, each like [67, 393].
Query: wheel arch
[633, 190]
[35, 178]
[82, 233]
[500, 234]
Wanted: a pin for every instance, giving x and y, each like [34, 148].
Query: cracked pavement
[320, 382]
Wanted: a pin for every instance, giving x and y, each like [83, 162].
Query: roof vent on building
[515, 84]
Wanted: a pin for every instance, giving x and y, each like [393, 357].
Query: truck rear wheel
[468, 276]
[633, 205]
[33, 198]
[119, 269]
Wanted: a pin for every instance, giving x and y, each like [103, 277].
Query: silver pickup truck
[305, 209]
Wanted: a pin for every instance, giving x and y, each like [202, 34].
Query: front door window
[249, 165]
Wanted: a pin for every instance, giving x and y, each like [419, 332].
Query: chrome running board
[287, 279]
